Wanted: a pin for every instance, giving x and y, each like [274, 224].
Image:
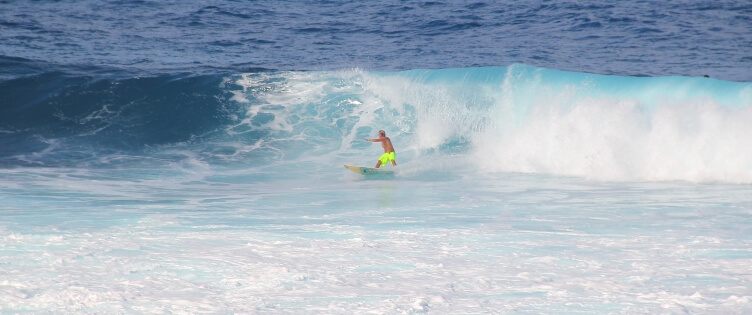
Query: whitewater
[193, 163]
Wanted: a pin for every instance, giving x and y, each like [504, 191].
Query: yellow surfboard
[362, 170]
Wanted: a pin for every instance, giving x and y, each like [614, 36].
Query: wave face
[466, 120]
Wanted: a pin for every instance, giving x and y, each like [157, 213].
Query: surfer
[386, 143]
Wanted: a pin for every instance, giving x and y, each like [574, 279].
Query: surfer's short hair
[382, 132]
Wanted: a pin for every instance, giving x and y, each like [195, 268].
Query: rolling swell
[57, 118]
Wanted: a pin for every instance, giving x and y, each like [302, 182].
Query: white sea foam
[487, 244]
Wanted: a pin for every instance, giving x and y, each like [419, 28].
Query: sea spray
[533, 120]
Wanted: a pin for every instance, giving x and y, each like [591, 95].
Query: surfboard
[362, 170]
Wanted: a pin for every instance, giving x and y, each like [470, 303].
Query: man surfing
[386, 143]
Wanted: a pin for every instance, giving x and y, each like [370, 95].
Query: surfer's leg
[383, 159]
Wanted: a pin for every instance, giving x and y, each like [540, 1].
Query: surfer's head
[382, 133]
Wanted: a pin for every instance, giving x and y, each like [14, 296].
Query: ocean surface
[554, 157]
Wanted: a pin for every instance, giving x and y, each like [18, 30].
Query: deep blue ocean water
[553, 157]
